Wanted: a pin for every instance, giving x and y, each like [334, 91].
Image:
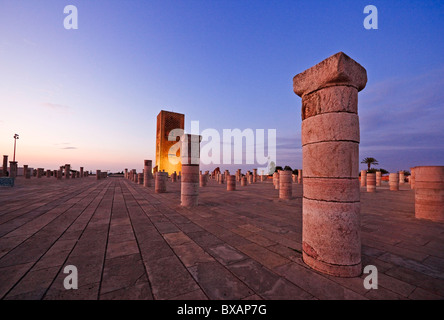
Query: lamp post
[16, 136]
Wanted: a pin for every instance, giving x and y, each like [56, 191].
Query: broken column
[363, 178]
[276, 180]
[394, 181]
[378, 178]
[67, 171]
[371, 182]
[12, 169]
[401, 177]
[285, 185]
[231, 183]
[243, 181]
[147, 175]
[202, 180]
[39, 172]
[429, 193]
[48, 173]
[190, 157]
[412, 178]
[98, 174]
[5, 166]
[160, 182]
[331, 241]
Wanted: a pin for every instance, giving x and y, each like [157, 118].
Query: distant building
[167, 121]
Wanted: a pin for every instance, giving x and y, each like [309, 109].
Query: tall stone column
[81, 172]
[394, 181]
[401, 177]
[5, 166]
[363, 178]
[378, 178]
[412, 178]
[67, 171]
[147, 173]
[12, 169]
[190, 157]
[331, 235]
[429, 193]
[371, 182]
[285, 185]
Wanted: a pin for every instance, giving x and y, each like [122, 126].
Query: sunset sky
[90, 97]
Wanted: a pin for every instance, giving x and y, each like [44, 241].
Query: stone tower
[166, 122]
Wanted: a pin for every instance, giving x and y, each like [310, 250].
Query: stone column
[331, 235]
[39, 172]
[371, 182]
[60, 174]
[98, 175]
[136, 177]
[254, 175]
[81, 172]
[412, 178]
[12, 169]
[239, 174]
[140, 178]
[67, 171]
[221, 178]
[147, 172]
[429, 193]
[285, 185]
[202, 180]
[160, 182]
[263, 178]
[243, 181]
[394, 181]
[276, 180]
[190, 157]
[174, 177]
[300, 176]
[125, 174]
[25, 170]
[378, 178]
[363, 178]
[231, 183]
[401, 177]
[250, 178]
[294, 178]
[48, 173]
[73, 175]
[5, 166]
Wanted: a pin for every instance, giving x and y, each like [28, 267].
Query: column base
[343, 271]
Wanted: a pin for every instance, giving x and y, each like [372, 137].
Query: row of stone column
[63, 171]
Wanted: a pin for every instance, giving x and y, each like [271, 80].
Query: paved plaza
[128, 242]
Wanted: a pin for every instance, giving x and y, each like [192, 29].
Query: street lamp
[16, 136]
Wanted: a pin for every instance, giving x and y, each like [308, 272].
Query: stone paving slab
[128, 242]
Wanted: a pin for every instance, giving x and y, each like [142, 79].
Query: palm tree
[370, 161]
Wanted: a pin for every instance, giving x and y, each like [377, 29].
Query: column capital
[338, 69]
